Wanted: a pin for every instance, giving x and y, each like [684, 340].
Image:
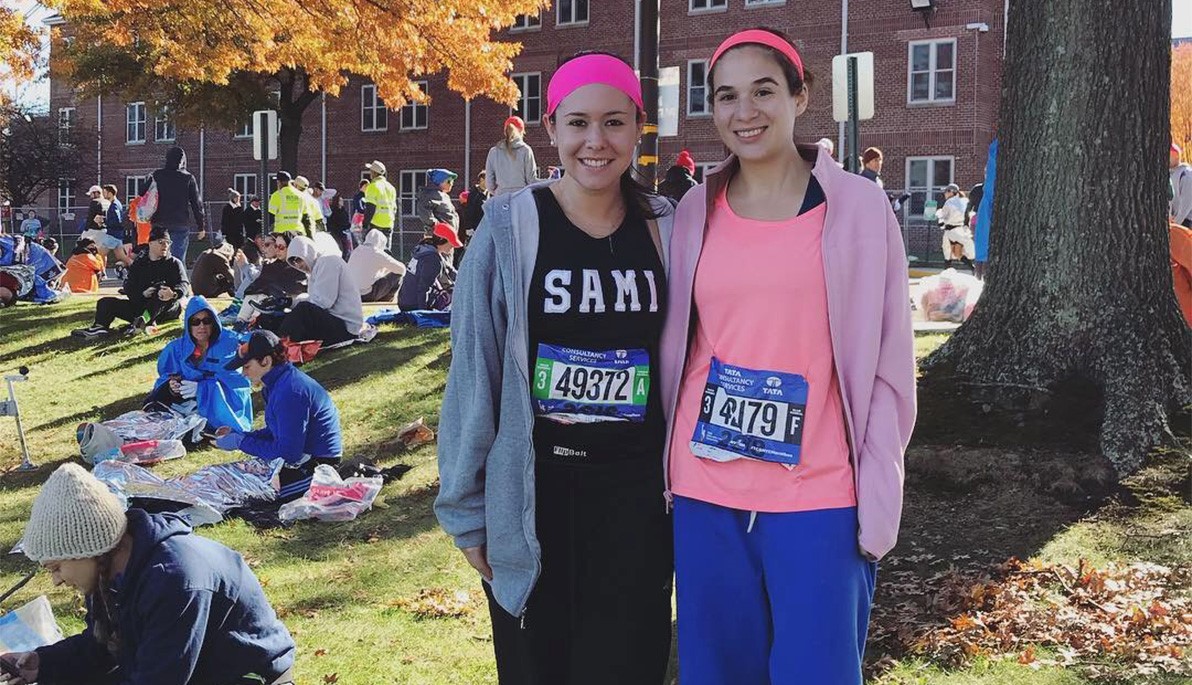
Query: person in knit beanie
[190, 611]
[679, 178]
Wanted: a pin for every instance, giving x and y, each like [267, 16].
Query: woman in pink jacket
[788, 373]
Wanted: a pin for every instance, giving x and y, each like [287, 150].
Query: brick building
[937, 91]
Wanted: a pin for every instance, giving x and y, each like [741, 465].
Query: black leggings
[601, 610]
[108, 309]
[311, 322]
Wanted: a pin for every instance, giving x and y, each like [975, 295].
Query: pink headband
[759, 37]
[589, 69]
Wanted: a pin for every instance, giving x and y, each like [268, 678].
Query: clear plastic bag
[145, 452]
[29, 627]
[332, 498]
[950, 296]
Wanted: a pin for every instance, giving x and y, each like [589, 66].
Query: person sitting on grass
[376, 273]
[301, 422]
[331, 310]
[430, 275]
[156, 284]
[84, 268]
[164, 606]
[28, 271]
[191, 373]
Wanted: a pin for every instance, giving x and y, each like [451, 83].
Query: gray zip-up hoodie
[508, 171]
[486, 451]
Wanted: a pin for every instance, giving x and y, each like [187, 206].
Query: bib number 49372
[585, 386]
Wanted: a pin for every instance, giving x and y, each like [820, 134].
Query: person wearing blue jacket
[191, 376]
[301, 422]
[164, 606]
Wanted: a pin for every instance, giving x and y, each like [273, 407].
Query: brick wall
[961, 129]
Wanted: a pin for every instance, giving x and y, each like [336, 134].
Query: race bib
[583, 386]
[749, 414]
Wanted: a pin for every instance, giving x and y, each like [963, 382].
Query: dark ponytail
[106, 630]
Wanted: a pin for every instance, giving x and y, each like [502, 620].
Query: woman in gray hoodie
[510, 165]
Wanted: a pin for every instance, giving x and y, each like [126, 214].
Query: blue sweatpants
[785, 602]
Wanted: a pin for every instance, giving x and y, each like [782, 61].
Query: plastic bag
[331, 498]
[145, 452]
[29, 627]
[415, 434]
[148, 205]
[950, 296]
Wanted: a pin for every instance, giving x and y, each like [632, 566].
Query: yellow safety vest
[287, 207]
[381, 193]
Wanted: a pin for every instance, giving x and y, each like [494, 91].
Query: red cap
[448, 233]
[685, 160]
[516, 121]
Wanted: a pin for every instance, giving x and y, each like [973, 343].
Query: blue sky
[38, 94]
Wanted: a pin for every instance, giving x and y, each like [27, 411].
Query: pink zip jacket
[869, 318]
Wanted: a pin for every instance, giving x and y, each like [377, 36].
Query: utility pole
[649, 29]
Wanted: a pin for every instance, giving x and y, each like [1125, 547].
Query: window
[245, 184]
[163, 127]
[245, 130]
[931, 72]
[926, 178]
[134, 186]
[701, 170]
[135, 120]
[407, 192]
[707, 5]
[526, 22]
[763, 3]
[571, 12]
[697, 88]
[374, 116]
[529, 107]
[66, 196]
[66, 117]
[415, 116]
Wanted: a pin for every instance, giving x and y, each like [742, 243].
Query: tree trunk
[295, 97]
[1079, 285]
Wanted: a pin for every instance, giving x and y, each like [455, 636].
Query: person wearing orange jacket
[84, 268]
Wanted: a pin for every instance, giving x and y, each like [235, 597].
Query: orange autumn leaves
[389, 42]
[19, 47]
[1181, 97]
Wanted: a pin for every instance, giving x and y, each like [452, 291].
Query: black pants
[384, 289]
[311, 322]
[601, 611]
[163, 395]
[108, 309]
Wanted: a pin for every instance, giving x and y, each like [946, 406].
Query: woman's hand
[478, 558]
[26, 665]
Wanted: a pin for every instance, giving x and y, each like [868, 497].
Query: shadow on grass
[108, 411]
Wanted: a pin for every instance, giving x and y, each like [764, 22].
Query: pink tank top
[762, 307]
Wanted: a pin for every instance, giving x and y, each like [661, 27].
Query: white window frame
[246, 184]
[574, 5]
[932, 71]
[134, 186]
[245, 130]
[66, 195]
[134, 124]
[526, 22]
[707, 6]
[705, 106]
[412, 109]
[931, 189]
[522, 80]
[370, 101]
[702, 169]
[164, 130]
[416, 179]
[751, 4]
[66, 120]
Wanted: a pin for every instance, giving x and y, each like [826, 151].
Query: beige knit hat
[74, 517]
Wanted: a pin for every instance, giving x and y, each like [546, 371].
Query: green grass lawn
[340, 586]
